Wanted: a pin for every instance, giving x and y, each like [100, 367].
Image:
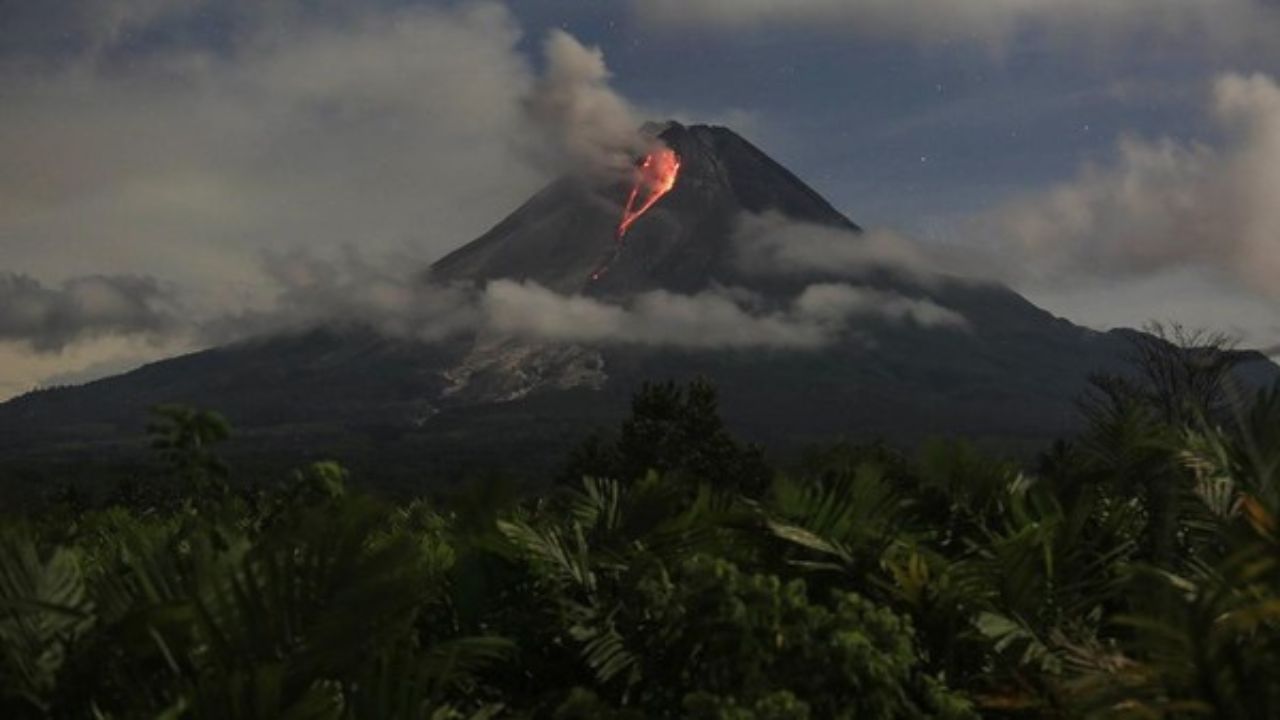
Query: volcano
[401, 410]
[683, 243]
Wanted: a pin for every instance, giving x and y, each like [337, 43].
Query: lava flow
[655, 177]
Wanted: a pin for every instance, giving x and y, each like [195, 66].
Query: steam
[586, 125]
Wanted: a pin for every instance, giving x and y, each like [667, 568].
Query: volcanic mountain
[683, 244]
[401, 410]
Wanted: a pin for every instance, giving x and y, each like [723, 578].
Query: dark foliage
[673, 430]
[1133, 571]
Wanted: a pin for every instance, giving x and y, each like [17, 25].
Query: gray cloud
[348, 289]
[837, 303]
[393, 129]
[47, 319]
[586, 126]
[386, 296]
[400, 130]
[721, 318]
[771, 243]
[705, 320]
[1160, 206]
[995, 23]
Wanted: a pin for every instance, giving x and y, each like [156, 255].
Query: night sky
[171, 171]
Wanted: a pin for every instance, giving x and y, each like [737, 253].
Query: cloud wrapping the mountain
[995, 23]
[1160, 205]
[712, 319]
[47, 319]
[770, 243]
[705, 320]
[350, 289]
[318, 291]
[835, 304]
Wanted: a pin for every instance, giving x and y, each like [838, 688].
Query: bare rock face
[504, 370]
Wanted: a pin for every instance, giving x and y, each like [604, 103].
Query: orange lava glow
[655, 177]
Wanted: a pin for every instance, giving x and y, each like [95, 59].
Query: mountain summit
[683, 244]
[399, 409]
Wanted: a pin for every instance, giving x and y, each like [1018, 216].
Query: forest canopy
[1132, 571]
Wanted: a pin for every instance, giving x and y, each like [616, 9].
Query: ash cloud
[1160, 206]
[585, 125]
[47, 319]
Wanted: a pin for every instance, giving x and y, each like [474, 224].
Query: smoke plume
[587, 126]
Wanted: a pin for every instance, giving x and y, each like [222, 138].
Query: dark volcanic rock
[683, 244]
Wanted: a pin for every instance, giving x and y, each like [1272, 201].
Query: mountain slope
[683, 244]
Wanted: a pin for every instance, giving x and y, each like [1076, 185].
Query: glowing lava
[655, 177]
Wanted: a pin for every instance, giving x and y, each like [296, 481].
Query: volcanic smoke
[655, 176]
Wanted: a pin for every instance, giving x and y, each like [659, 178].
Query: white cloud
[838, 303]
[722, 318]
[402, 131]
[771, 243]
[349, 289]
[706, 320]
[393, 129]
[1160, 206]
[1221, 23]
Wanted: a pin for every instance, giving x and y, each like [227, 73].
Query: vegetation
[1133, 572]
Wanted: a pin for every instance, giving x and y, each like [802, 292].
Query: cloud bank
[771, 243]
[137, 143]
[319, 292]
[1160, 205]
[47, 319]
[713, 319]
[395, 128]
[996, 23]
[387, 128]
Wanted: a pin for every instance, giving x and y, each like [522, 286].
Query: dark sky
[1115, 161]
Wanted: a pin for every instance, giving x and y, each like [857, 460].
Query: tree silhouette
[185, 438]
[673, 430]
